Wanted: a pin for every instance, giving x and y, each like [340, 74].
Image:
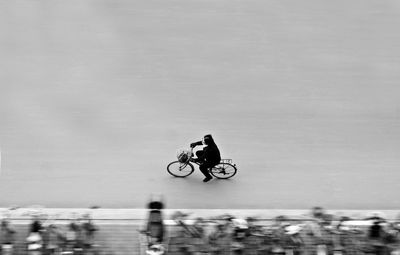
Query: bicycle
[183, 167]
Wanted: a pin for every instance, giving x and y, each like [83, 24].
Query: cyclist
[208, 157]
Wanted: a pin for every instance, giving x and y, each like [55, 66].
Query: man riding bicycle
[208, 157]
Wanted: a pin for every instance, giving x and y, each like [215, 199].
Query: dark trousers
[204, 165]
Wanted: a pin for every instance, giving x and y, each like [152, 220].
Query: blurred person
[72, 240]
[316, 229]
[198, 227]
[276, 247]
[180, 240]
[277, 237]
[198, 240]
[375, 231]
[194, 234]
[252, 238]
[36, 225]
[194, 230]
[241, 228]
[376, 236]
[238, 231]
[88, 230]
[338, 233]
[7, 237]
[349, 237]
[252, 227]
[208, 157]
[317, 212]
[220, 240]
[391, 238]
[237, 227]
[293, 242]
[53, 239]
[155, 228]
[35, 239]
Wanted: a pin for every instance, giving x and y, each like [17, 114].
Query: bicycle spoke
[223, 171]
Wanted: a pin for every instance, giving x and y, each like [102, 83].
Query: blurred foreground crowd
[75, 236]
[320, 233]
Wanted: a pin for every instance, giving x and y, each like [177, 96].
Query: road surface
[98, 95]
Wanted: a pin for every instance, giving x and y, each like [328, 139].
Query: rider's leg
[199, 153]
[204, 168]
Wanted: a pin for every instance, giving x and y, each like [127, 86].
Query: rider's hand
[192, 145]
[195, 160]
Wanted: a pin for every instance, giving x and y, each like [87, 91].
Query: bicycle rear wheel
[179, 169]
[223, 171]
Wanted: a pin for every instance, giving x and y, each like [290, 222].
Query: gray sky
[97, 96]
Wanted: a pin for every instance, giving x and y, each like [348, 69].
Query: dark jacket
[211, 153]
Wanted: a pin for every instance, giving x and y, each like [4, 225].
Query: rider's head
[207, 140]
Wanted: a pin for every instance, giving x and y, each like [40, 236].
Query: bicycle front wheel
[179, 169]
[223, 171]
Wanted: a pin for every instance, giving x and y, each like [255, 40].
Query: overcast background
[98, 95]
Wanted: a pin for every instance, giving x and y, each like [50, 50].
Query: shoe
[207, 179]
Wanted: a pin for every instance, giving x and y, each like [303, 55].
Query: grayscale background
[98, 95]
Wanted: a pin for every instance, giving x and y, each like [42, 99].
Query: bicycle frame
[229, 161]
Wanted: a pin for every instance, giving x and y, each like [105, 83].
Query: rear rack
[226, 160]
